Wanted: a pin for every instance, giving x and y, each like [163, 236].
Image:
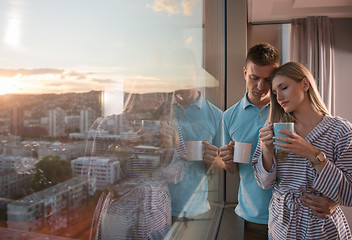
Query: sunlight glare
[7, 86]
[12, 30]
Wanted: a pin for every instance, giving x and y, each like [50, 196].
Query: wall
[268, 33]
[343, 71]
[236, 86]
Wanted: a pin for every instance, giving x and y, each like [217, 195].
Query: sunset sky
[82, 45]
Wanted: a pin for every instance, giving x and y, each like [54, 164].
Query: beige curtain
[312, 45]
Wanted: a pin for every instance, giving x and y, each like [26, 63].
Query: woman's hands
[266, 135]
[294, 143]
[168, 136]
[297, 145]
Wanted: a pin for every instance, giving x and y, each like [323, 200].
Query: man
[242, 123]
[199, 120]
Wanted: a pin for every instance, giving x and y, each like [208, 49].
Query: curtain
[312, 45]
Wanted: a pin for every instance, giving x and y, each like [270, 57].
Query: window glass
[107, 109]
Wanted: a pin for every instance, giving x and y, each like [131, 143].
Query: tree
[50, 170]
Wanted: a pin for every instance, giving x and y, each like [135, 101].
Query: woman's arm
[263, 161]
[174, 165]
[266, 142]
[334, 178]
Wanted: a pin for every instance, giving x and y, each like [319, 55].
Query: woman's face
[289, 94]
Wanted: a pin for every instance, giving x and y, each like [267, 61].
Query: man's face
[257, 81]
[186, 95]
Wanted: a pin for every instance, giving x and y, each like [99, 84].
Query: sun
[7, 86]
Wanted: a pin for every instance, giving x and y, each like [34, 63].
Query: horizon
[49, 47]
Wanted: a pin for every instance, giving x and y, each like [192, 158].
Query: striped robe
[290, 177]
[142, 208]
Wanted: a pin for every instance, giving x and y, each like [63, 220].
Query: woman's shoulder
[338, 123]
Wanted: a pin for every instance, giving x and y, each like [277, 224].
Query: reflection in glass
[91, 131]
[201, 124]
[138, 204]
[200, 121]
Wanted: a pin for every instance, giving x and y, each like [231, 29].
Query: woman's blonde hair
[297, 72]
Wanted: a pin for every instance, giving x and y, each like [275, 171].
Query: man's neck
[259, 104]
[186, 101]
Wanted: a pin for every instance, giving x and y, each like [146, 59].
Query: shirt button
[260, 114]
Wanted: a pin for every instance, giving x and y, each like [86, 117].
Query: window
[131, 86]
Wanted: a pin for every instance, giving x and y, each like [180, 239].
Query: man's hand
[210, 153]
[321, 206]
[226, 155]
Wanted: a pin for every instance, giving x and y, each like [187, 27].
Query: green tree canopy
[50, 170]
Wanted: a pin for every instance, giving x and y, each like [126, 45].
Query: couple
[314, 174]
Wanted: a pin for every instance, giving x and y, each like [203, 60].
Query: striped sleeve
[335, 180]
[174, 172]
[181, 147]
[264, 179]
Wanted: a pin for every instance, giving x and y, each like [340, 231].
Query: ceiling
[266, 11]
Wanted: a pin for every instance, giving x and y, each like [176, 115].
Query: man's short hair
[263, 54]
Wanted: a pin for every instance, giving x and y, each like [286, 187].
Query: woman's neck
[306, 120]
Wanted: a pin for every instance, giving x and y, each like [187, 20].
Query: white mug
[242, 152]
[195, 150]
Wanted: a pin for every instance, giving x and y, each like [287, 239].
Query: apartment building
[103, 171]
[43, 205]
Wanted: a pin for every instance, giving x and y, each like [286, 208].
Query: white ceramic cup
[195, 150]
[242, 152]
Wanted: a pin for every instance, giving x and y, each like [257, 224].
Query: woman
[317, 155]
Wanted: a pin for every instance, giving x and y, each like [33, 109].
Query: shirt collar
[246, 103]
[199, 103]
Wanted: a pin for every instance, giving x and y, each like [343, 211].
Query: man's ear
[244, 72]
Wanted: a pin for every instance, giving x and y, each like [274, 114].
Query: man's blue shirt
[242, 123]
[198, 122]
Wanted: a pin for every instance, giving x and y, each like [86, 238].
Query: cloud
[49, 80]
[173, 7]
[105, 81]
[74, 74]
[187, 6]
[29, 72]
[189, 40]
[46, 80]
[170, 6]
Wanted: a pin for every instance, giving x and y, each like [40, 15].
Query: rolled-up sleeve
[335, 180]
[264, 178]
